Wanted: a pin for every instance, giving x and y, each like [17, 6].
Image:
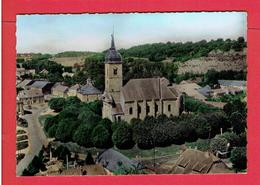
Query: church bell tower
[113, 72]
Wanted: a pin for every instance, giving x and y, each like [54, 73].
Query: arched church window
[130, 110]
[115, 71]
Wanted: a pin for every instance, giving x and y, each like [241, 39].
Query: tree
[49, 121]
[65, 130]
[218, 144]
[203, 128]
[89, 159]
[82, 135]
[242, 139]
[123, 137]
[52, 131]
[101, 137]
[107, 123]
[56, 104]
[72, 100]
[61, 152]
[238, 158]
[238, 122]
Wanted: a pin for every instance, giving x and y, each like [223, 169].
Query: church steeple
[112, 42]
[113, 56]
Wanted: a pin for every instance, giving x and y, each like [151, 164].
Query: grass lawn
[200, 144]
[159, 152]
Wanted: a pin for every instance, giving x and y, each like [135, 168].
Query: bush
[22, 145]
[20, 138]
[232, 138]
[238, 158]
[218, 144]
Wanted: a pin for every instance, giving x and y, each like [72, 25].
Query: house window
[139, 109]
[147, 109]
[130, 110]
[169, 108]
[156, 108]
[115, 71]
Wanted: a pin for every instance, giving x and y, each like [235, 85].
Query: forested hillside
[182, 51]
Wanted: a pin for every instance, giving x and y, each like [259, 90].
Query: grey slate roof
[113, 56]
[89, 89]
[205, 90]
[39, 84]
[110, 159]
[148, 89]
[238, 83]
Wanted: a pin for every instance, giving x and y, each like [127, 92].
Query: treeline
[41, 62]
[82, 123]
[182, 51]
[74, 54]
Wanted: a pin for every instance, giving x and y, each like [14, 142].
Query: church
[138, 98]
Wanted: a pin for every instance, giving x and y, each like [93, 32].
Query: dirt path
[36, 136]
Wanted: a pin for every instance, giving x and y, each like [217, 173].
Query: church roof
[113, 56]
[148, 89]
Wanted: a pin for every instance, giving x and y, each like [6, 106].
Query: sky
[92, 32]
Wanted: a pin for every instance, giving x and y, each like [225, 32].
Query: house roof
[39, 84]
[110, 159]
[75, 87]
[60, 88]
[24, 83]
[89, 89]
[191, 89]
[205, 90]
[117, 109]
[232, 83]
[195, 161]
[147, 89]
[31, 93]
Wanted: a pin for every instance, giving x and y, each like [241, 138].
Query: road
[36, 135]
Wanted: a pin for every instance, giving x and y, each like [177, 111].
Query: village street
[36, 136]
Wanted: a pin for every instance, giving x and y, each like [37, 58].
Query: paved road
[36, 135]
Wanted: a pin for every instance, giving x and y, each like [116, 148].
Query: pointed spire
[112, 42]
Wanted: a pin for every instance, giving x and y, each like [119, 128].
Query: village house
[191, 89]
[59, 90]
[240, 84]
[25, 84]
[44, 71]
[64, 74]
[88, 92]
[72, 91]
[30, 96]
[44, 86]
[23, 71]
[193, 161]
[139, 97]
